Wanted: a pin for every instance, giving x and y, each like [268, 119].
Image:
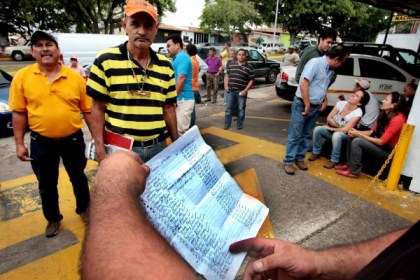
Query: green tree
[228, 16]
[362, 26]
[24, 17]
[95, 16]
[88, 16]
[353, 20]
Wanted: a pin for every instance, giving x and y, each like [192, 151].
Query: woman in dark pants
[380, 141]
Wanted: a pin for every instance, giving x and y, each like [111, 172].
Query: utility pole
[275, 22]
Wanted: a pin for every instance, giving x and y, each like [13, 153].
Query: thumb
[146, 168]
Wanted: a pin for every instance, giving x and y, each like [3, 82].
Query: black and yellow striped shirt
[111, 79]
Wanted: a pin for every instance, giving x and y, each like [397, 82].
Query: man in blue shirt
[183, 75]
[314, 82]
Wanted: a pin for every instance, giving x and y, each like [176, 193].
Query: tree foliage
[25, 16]
[229, 16]
[93, 15]
[86, 16]
[364, 26]
[353, 20]
[105, 15]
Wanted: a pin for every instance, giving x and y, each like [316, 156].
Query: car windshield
[409, 58]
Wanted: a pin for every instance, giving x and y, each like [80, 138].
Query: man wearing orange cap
[133, 88]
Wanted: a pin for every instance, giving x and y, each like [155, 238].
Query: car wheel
[18, 56]
[271, 76]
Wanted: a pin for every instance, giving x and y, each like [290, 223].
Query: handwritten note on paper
[198, 207]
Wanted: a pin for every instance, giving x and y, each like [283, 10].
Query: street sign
[404, 18]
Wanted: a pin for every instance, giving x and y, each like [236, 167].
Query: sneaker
[314, 157]
[226, 127]
[330, 164]
[206, 100]
[52, 229]
[239, 127]
[289, 169]
[302, 165]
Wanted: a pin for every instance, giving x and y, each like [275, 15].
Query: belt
[312, 105]
[149, 143]
[212, 73]
[36, 136]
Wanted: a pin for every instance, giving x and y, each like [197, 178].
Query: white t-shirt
[343, 120]
[290, 59]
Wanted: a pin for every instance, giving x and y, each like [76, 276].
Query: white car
[271, 47]
[19, 53]
[384, 76]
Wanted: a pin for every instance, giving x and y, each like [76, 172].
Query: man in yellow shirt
[225, 53]
[49, 97]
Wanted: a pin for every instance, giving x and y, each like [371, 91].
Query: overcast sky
[187, 13]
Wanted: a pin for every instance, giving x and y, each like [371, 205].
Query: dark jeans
[197, 98]
[234, 98]
[46, 153]
[359, 147]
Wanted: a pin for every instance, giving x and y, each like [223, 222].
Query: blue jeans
[46, 154]
[337, 140]
[300, 132]
[147, 153]
[232, 99]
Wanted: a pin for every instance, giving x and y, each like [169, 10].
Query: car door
[258, 63]
[384, 76]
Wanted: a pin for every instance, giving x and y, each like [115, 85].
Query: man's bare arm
[345, 262]
[169, 116]
[248, 87]
[88, 119]
[20, 121]
[97, 127]
[304, 89]
[120, 242]
[180, 83]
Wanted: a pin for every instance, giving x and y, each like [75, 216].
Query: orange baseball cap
[138, 6]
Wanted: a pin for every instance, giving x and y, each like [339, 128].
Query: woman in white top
[344, 116]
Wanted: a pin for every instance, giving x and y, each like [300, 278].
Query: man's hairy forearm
[180, 83]
[120, 242]
[345, 262]
[304, 89]
[97, 122]
[19, 121]
[169, 114]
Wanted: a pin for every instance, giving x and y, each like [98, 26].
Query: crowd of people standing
[135, 92]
